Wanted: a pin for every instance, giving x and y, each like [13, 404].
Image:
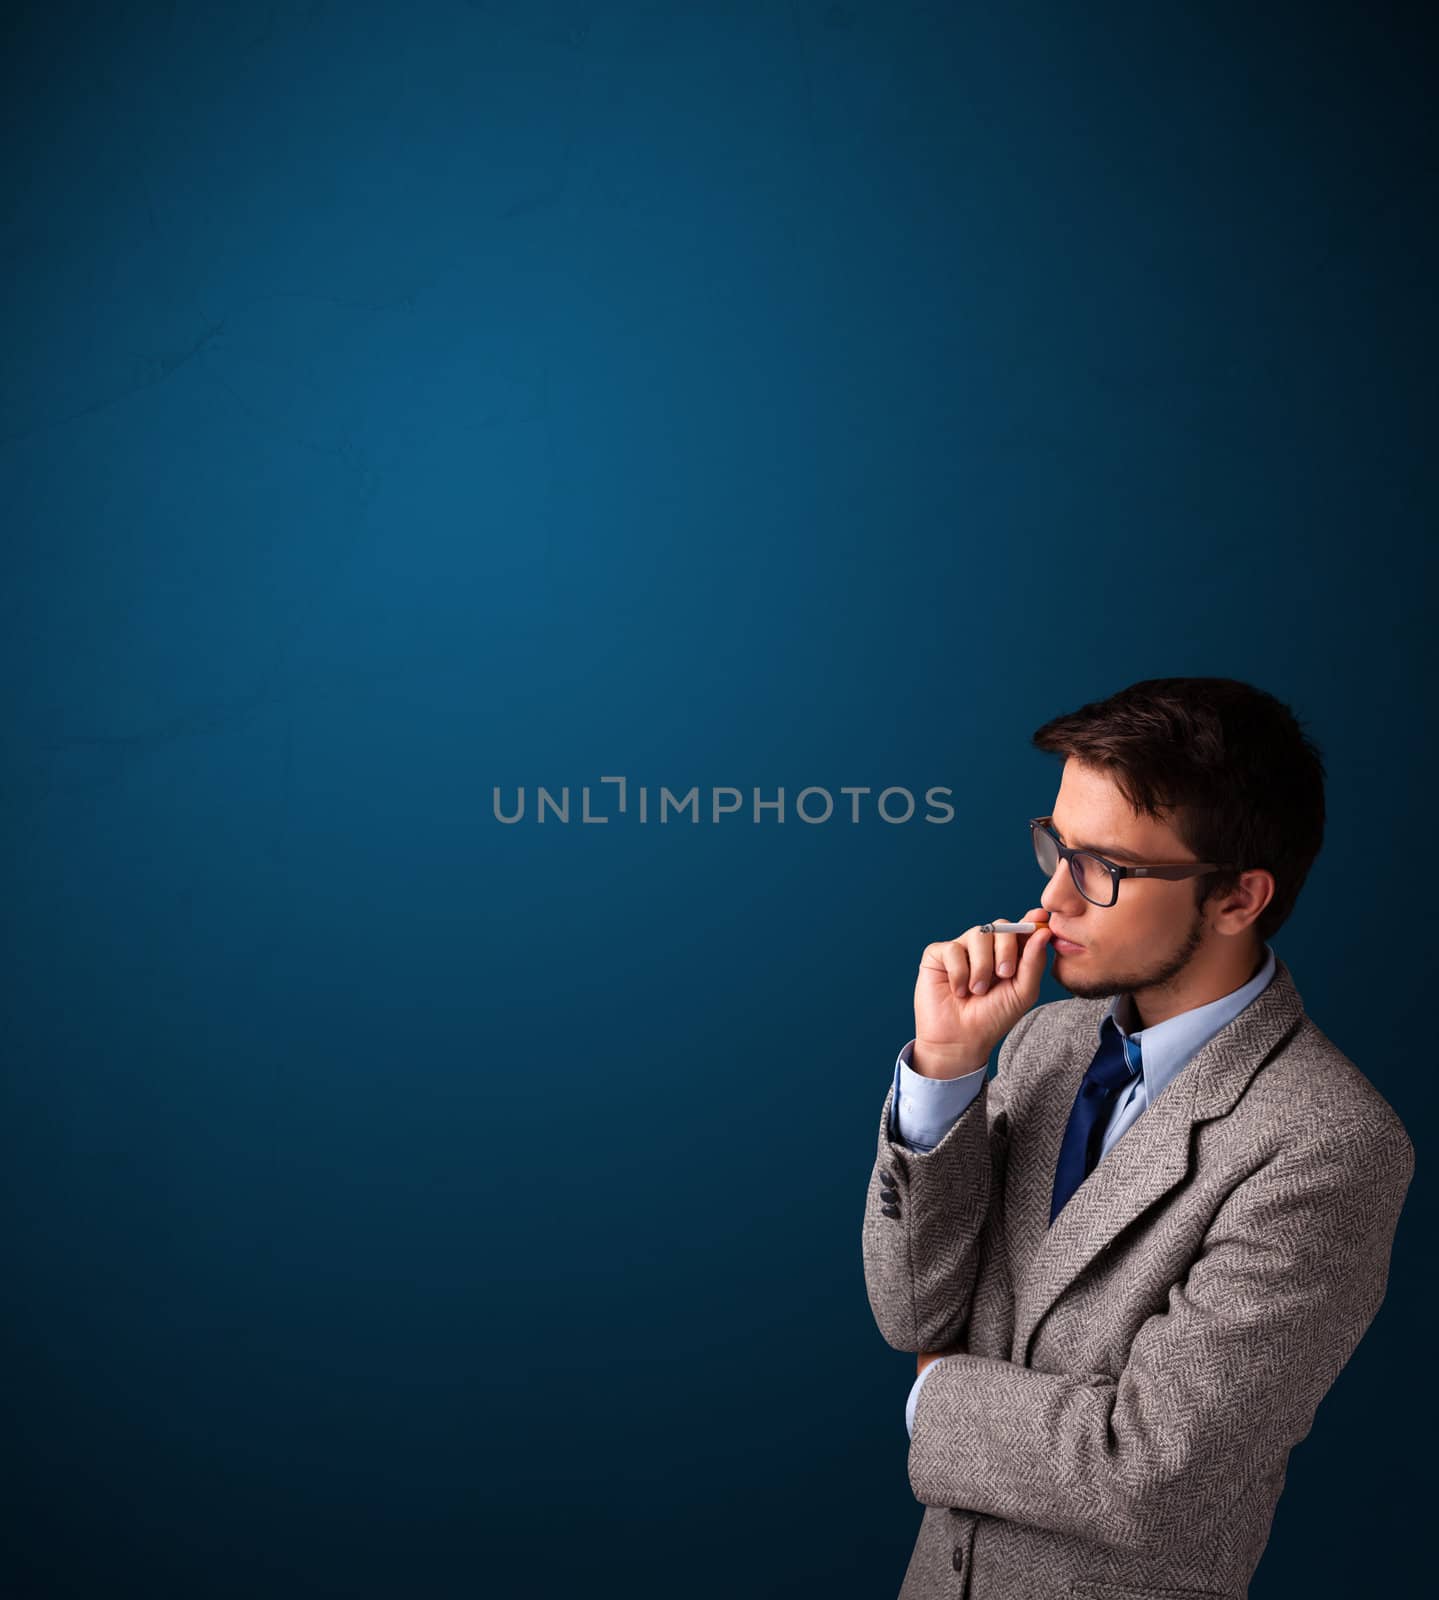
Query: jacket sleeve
[925, 1212]
[1216, 1389]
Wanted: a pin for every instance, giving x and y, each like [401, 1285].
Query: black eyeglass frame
[1174, 869]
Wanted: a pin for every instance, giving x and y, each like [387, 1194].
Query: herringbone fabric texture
[1127, 1384]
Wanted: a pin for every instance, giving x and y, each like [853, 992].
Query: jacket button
[957, 1559]
[890, 1211]
[888, 1194]
[886, 1174]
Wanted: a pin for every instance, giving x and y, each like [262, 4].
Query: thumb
[1031, 962]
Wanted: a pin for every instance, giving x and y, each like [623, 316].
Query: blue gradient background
[400, 402]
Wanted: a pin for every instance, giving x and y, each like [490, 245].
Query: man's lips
[1056, 938]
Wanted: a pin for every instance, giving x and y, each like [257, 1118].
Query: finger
[956, 962]
[1031, 958]
[1007, 945]
[933, 962]
[981, 958]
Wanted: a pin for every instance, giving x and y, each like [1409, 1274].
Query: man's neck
[1133, 1022]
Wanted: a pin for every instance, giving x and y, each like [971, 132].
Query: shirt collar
[1165, 1047]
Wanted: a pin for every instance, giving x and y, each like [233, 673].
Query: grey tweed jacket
[1128, 1383]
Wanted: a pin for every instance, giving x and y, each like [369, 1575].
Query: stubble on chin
[1101, 986]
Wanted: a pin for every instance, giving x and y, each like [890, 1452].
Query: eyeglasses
[1095, 878]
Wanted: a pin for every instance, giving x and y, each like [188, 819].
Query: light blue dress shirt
[925, 1109]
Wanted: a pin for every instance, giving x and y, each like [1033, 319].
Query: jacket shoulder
[1313, 1090]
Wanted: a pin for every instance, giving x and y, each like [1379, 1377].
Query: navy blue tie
[1113, 1069]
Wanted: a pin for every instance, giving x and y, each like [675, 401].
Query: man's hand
[971, 991]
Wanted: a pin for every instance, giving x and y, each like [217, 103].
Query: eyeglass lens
[1091, 876]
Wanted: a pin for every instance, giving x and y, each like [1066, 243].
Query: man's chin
[1070, 974]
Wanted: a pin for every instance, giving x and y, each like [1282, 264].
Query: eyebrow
[1118, 852]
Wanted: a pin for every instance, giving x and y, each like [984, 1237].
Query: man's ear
[1244, 904]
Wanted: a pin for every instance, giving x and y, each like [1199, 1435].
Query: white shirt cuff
[925, 1109]
[914, 1389]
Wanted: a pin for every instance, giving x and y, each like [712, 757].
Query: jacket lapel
[1150, 1158]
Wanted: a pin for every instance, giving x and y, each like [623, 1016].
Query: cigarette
[1012, 927]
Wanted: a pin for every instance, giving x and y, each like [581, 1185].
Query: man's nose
[1060, 893]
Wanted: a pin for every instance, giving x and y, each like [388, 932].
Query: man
[1132, 1263]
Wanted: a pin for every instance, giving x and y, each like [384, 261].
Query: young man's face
[1152, 931]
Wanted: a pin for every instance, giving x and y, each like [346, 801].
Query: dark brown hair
[1227, 765]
